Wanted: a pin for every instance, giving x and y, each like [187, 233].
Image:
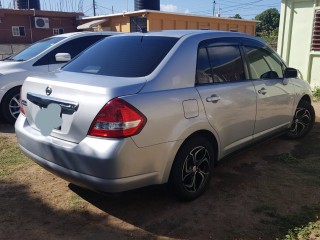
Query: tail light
[117, 119]
[21, 105]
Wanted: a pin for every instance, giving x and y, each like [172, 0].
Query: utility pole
[219, 11]
[214, 8]
[94, 7]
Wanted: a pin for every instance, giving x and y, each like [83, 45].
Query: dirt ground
[258, 194]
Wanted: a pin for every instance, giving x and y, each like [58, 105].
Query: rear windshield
[127, 56]
[35, 49]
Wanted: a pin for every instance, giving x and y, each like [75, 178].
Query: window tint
[129, 56]
[73, 47]
[204, 74]
[263, 64]
[35, 49]
[226, 63]
[275, 63]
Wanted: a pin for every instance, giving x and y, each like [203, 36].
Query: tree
[237, 16]
[268, 27]
[269, 21]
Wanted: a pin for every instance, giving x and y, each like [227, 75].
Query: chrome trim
[68, 107]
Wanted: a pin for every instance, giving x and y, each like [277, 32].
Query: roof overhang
[141, 12]
[91, 24]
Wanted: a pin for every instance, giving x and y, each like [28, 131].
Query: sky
[247, 9]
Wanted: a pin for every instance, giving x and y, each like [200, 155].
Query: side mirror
[290, 73]
[63, 57]
[270, 75]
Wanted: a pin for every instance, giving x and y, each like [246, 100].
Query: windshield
[35, 49]
[127, 56]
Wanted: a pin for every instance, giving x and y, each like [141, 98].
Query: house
[299, 37]
[28, 26]
[152, 20]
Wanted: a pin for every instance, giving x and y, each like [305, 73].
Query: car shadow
[247, 197]
[6, 128]
[26, 216]
[139, 207]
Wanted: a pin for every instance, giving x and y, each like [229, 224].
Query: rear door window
[204, 71]
[219, 64]
[123, 56]
[226, 63]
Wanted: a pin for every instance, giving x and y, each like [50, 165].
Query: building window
[138, 24]
[18, 31]
[316, 32]
[57, 31]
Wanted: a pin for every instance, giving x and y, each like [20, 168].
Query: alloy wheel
[301, 122]
[14, 106]
[196, 169]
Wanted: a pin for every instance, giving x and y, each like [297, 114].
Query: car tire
[192, 169]
[10, 105]
[303, 121]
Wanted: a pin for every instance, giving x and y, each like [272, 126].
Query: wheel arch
[203, 133]
[3, 100]
[210, 137]
[306, 98]
[6, 93]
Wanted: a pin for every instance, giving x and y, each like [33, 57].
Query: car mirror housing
[290, 73]
[63, 57]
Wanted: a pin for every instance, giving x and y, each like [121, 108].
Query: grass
[316, 93]
[11, 157]
[287, 158]
[290, 221]
[303, 223]
[310, 231]
[76, 202]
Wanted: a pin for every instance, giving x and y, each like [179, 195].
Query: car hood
[11, 66]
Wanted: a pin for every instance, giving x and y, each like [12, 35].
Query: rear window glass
[130, 56]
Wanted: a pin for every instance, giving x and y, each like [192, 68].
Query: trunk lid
[81, 96]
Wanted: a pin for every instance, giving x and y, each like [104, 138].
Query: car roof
[181, 33]
[86, 33]
[193, 33]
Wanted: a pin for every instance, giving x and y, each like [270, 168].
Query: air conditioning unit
[41, 22]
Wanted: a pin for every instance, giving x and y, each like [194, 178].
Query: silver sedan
[160, 107]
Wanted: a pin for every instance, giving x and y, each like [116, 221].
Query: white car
[43, 56]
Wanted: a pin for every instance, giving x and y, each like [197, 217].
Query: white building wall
[295, 36]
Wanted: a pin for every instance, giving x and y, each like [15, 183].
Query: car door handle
[214, 98]
[262, 91]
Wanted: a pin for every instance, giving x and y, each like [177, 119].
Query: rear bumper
[92, 182]
[101, 164]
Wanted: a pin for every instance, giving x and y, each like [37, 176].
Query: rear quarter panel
[167, 124]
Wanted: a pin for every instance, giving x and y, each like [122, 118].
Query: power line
[112, 10]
